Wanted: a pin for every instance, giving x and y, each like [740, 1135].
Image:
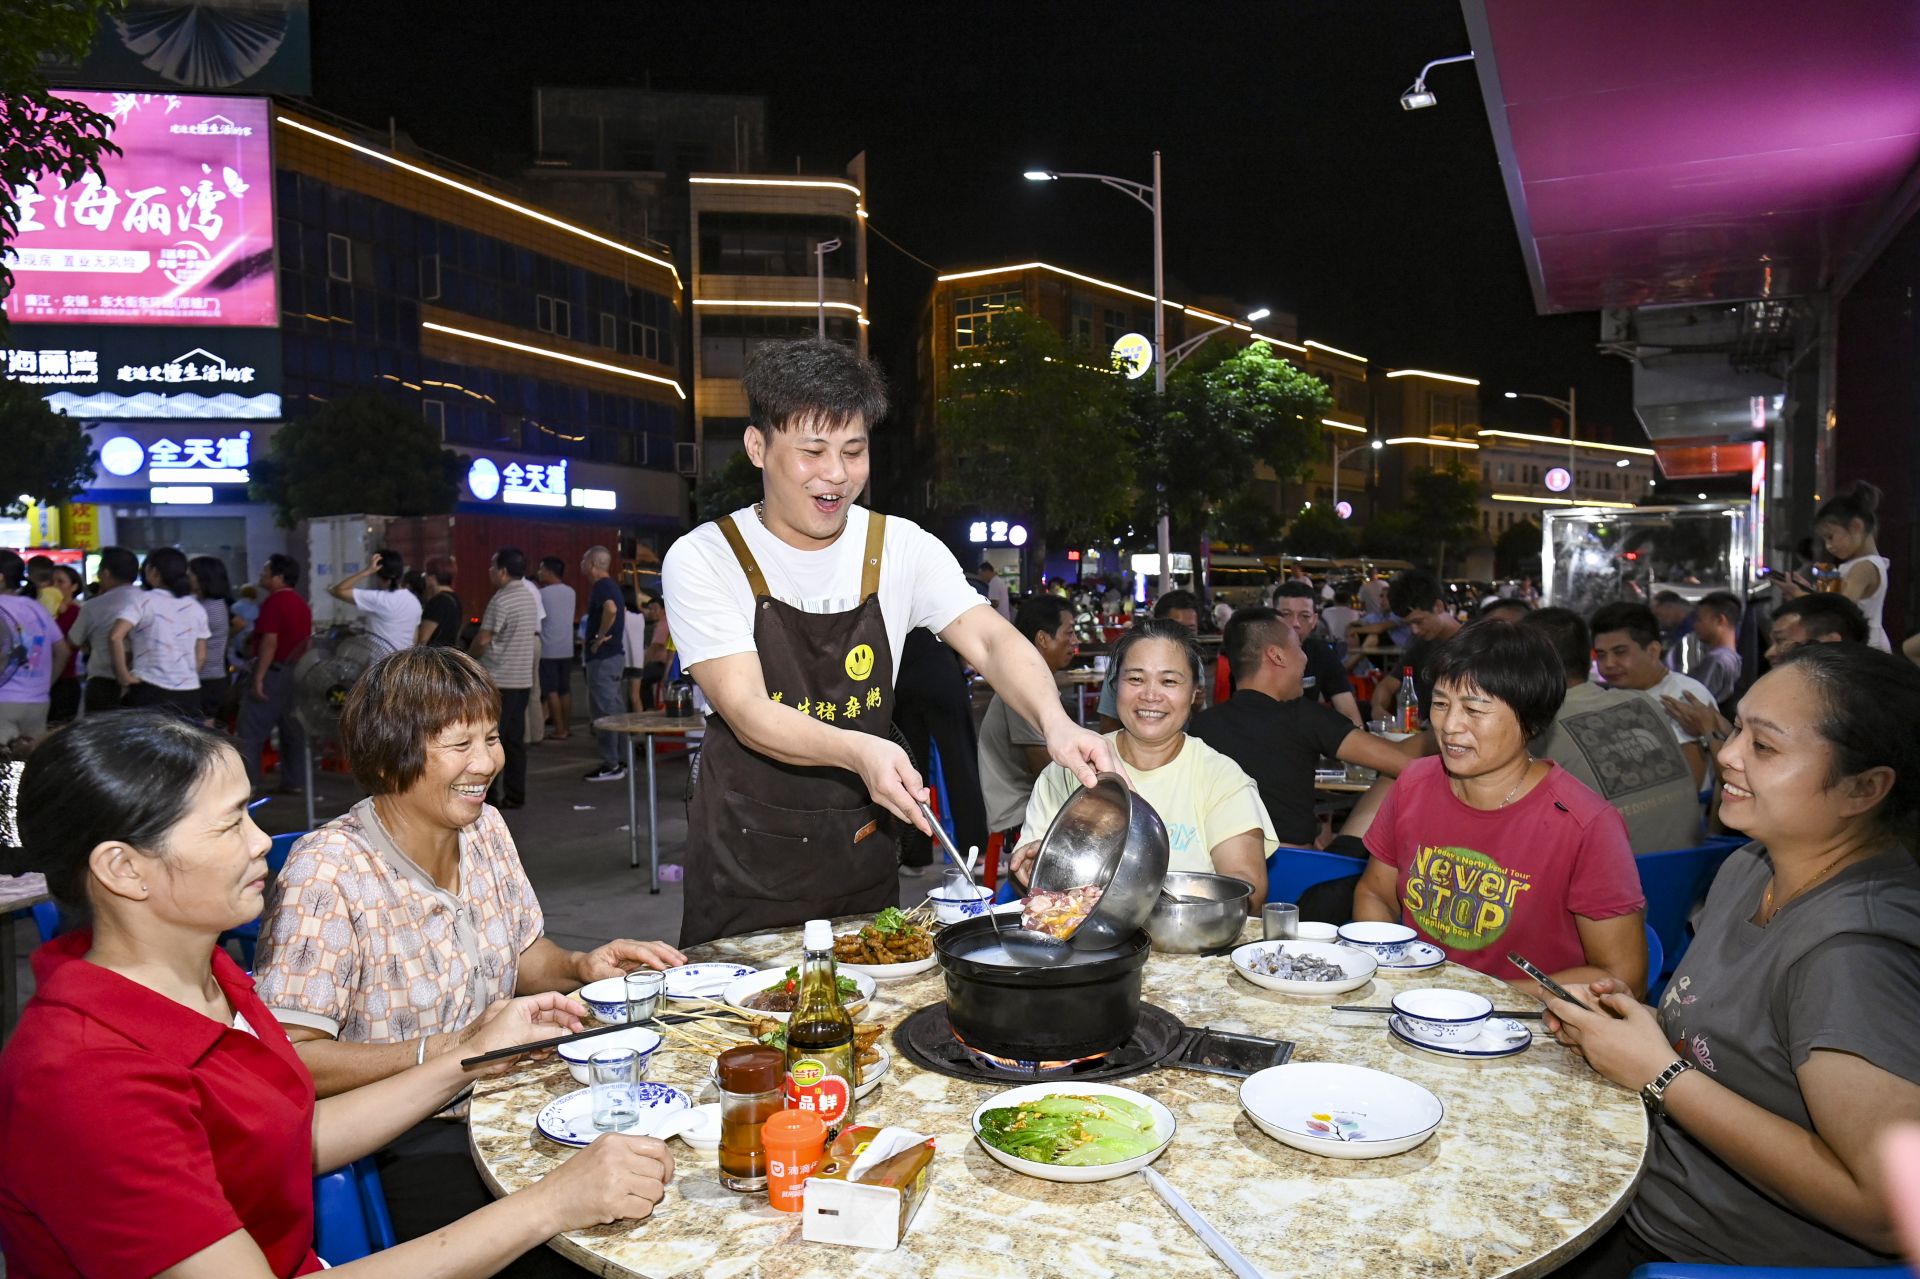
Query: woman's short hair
[1159, 628]
[211, 572]
[1869, 704]
[400, 702]
[128, 776]
[169, 564]
[1508, 661]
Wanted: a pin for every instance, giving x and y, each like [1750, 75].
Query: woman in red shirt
[154, 1119]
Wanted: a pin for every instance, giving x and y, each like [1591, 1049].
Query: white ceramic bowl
[737, 994]
[962, 903]
[1310, 931]
[1359, 966]
[1388, 942]
[607, 998]
[1343, 1112]
[1164, 1127]
[706, 1136]
[1436, 1016]
[703, 981]
[578, 1054]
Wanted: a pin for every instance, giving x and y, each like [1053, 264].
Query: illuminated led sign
[594, 499]
[1134, 353]
[1558, 481]
[143, 372]
[191, 460]
[996, 533]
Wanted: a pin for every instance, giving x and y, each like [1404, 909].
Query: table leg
[653, 821]
[633, 810]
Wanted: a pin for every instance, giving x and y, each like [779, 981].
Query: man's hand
[621, 956]
[890, 778]
[1083, 753]
[1694, 715]
[1621, 1039]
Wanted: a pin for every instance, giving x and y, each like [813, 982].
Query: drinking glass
[616, 1095]
[1280, 921]
[643, 994]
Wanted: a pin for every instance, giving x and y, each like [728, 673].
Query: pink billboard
[180, 231]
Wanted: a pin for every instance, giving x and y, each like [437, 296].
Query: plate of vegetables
[1074, 1132]
[894, 945]
[773, 992]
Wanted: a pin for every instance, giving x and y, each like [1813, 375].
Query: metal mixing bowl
[1107, 835]
[1211, 916]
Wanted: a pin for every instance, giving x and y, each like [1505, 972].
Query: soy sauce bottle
[820, 1056]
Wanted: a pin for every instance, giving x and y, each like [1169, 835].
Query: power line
[916, 257]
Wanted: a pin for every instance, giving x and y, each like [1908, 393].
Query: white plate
[891, 972]
[1358, 964]
[1343, 1112]
[1419, 957]
[1501, 1037]
[704, 981]
[871, 1076]
[568, 1119]
[1164, 1125]
[753, 983]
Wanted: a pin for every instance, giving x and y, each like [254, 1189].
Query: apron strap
[756, 581]
[870, 569]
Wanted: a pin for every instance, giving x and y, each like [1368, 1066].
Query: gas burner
[927, 1039]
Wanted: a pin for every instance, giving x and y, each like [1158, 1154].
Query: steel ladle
[1024, 947]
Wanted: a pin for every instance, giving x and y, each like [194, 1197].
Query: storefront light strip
[1334, 350]
[1434, 441]
[783, 303]
[562, 356]
[1559, 501]
[1438, 377]
[1343, 426]
[1562, 442]
[775, 182]
[479, 194]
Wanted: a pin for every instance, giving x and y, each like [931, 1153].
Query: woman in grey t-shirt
[1785, 1046]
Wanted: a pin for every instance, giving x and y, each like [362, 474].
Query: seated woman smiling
[157, 1119]
[1783, 1050]
[397, 927]
[1215, 821]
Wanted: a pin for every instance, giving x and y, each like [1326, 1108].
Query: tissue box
[873, 1212]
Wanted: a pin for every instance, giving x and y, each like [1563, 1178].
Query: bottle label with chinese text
[813, 1085]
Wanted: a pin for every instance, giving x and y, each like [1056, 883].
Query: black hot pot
[1087, 1004]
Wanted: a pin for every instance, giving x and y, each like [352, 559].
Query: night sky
[1292, 177]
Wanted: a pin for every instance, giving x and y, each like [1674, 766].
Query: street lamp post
[1198, 340]
[1148, 194]
[1340, 455]
[1569, 407]
[820, 250]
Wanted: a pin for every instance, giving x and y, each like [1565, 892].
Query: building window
[1113, 326]
[339, 258]
[553, 315]
[973, 316]
[609, 331]
[645, 339]
[1440, 412]
[726, 341]
[435, 411]
[430, 277]
[773, 244]
[1083, 322]
[1350, 395]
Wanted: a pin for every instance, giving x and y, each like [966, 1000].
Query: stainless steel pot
[1105, 834]
[1211, 914]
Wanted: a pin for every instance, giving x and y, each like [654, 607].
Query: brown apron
[771, 844]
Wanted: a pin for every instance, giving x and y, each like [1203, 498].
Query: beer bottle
[821, 1072]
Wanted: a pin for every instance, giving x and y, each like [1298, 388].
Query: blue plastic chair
[1691, 1270]
[1656, 960]
[247, 935]
[943, 803]
[350, 1219]
[1292, 871]
[46, 917]
[1674, 882]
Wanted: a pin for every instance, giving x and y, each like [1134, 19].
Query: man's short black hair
[1670, 597]
[1293, 590]
[284, 567]
[1568, 634]
[1508, 661]
[1493, 604]
[1722, 605]
[1249, 633]
[1175, 599]
[121, 563]
[985, 567]
[788, 382]
[1827, 616]
[1411, 590]
[1637, 620]
[1040, 614]
[553, 565]
[511, 560]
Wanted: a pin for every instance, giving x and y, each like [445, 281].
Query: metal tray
[1222, 1052]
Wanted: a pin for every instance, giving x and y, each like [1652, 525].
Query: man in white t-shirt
[789, 615]
[1626, 649]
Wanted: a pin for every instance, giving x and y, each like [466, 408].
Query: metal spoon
[1030, 949]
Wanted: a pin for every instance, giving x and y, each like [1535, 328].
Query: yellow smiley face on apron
[860, 661]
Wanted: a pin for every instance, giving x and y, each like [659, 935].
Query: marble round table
[1537, 1156]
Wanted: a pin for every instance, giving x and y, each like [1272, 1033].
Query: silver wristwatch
[1655, 1093]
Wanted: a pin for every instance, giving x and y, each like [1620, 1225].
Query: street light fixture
[1419, 97]
[1569, 406]
[1194, 343]
[1148, 194]
[1340, 455]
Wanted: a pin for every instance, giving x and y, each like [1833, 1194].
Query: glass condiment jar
[750, 1081]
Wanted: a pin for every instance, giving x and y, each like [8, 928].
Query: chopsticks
[501, 1054]
[1533, 1015]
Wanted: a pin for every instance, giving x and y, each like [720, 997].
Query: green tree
[1318, 531]
[1037, 427]
[1249, 517]
[1445, 504]
[726, 490]
[44, 133]
[1396, 535]
[361, 454]
[1516, 553]
[45, 455]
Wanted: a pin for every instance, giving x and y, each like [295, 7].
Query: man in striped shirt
[508, 638]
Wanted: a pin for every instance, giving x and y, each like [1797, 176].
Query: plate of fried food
[895, 944]
[869, 1058]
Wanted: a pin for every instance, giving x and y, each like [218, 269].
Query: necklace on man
[760, 513]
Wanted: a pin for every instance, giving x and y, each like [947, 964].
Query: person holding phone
[1846, 523]
[1783, 1049]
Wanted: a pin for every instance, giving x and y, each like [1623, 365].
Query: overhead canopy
[1712, 150]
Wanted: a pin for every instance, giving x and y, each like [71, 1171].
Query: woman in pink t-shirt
[1484, 849]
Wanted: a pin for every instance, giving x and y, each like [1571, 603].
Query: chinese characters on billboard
[180, 232]
[147, 371]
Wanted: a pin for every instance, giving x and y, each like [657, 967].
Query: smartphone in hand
[1547, 983]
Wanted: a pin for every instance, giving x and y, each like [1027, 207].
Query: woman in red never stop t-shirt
[1485, 849]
